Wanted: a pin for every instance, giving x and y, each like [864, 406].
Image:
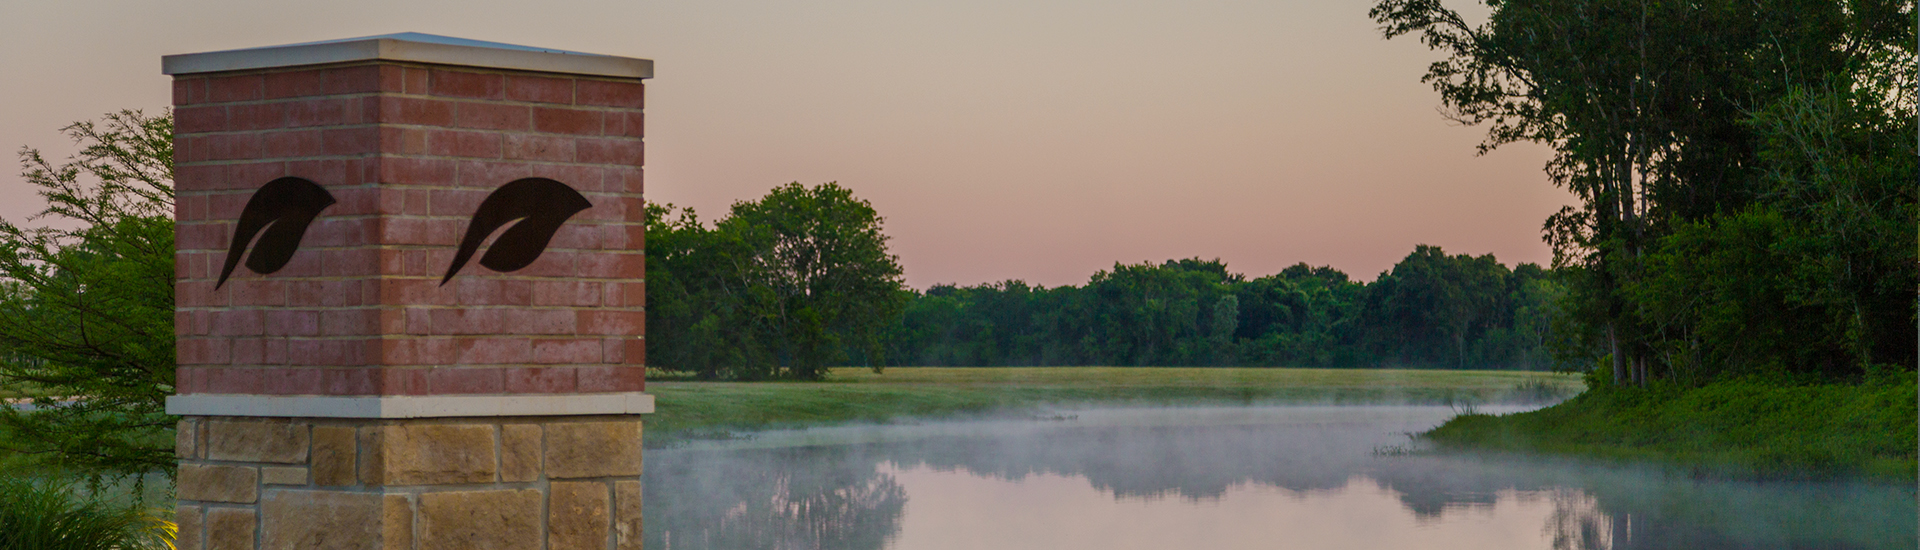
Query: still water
[1243, 477]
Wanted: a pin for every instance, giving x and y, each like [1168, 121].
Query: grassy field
[687, 409]
[1725, 429]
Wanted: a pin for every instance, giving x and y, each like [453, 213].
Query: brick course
[408, 151]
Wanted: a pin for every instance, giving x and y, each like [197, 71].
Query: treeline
[1746, 178]
[1432, 310]
[1746, 186]
[801, 280]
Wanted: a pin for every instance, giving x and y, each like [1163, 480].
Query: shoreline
[1729, 429]
[717, 410]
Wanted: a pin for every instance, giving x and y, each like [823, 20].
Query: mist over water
[1229, 477]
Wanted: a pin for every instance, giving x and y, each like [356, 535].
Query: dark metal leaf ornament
[279, 213]
[541, 205]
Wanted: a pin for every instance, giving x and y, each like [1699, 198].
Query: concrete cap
[409, 406]
[410, 46]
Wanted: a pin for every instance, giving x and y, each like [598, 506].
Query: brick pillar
[409, 298]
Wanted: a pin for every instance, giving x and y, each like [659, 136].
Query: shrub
[47, 516]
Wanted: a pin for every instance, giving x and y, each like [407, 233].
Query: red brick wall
[409, 151]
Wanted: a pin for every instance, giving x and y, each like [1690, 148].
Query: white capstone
[410, 46]
[408, 406]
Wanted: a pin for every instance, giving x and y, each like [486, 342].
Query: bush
[46, 516]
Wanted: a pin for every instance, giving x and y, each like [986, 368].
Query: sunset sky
[1035, 140]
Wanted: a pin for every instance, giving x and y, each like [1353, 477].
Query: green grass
[687, 409]
[1726, 429]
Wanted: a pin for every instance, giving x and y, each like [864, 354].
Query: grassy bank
[687, 409]
[1731, 428]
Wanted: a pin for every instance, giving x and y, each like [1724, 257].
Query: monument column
[409, 298]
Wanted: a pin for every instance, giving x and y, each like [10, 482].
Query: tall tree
[1840, 163]
[822, 260]
[784, 286]
[1648, 106]
[86, 303]
[700, 307]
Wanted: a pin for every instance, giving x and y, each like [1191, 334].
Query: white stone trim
[410, 46]
[408, 406]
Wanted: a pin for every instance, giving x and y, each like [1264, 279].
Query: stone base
[551, 483]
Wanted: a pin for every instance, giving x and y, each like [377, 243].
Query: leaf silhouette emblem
[541, 205]
[279, 214]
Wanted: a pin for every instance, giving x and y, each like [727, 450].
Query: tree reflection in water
[1578, 523]
[835, 495]
[785, 499]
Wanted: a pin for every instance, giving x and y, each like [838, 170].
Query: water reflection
[1578, 523]
[807, 497]
[1216, 478]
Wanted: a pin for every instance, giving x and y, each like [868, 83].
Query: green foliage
[86, 305]
[1840, 169]
[1746, 177]
[696, 296]
[1742, 426]
[1432, 305]
[1816, 277]
[1724, 283]
[785, 286]
[43, 516]
[824, 272]
[1746, 225]
[1430, 310]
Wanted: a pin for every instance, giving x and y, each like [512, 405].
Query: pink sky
[1001, 139]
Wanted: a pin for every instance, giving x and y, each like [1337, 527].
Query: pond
[1230, 477]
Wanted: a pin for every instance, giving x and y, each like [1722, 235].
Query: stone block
[480, 520]
[593, 449]
[397, 522]
[323, 520]
[186, 438]
[276, 441]
[371, 459]
[335, 458]
[519, 452]
[626, 518]
[434, 454]
[189, 519]
[577, 514]
[213, 483]
[283, 475]
[230, 529]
